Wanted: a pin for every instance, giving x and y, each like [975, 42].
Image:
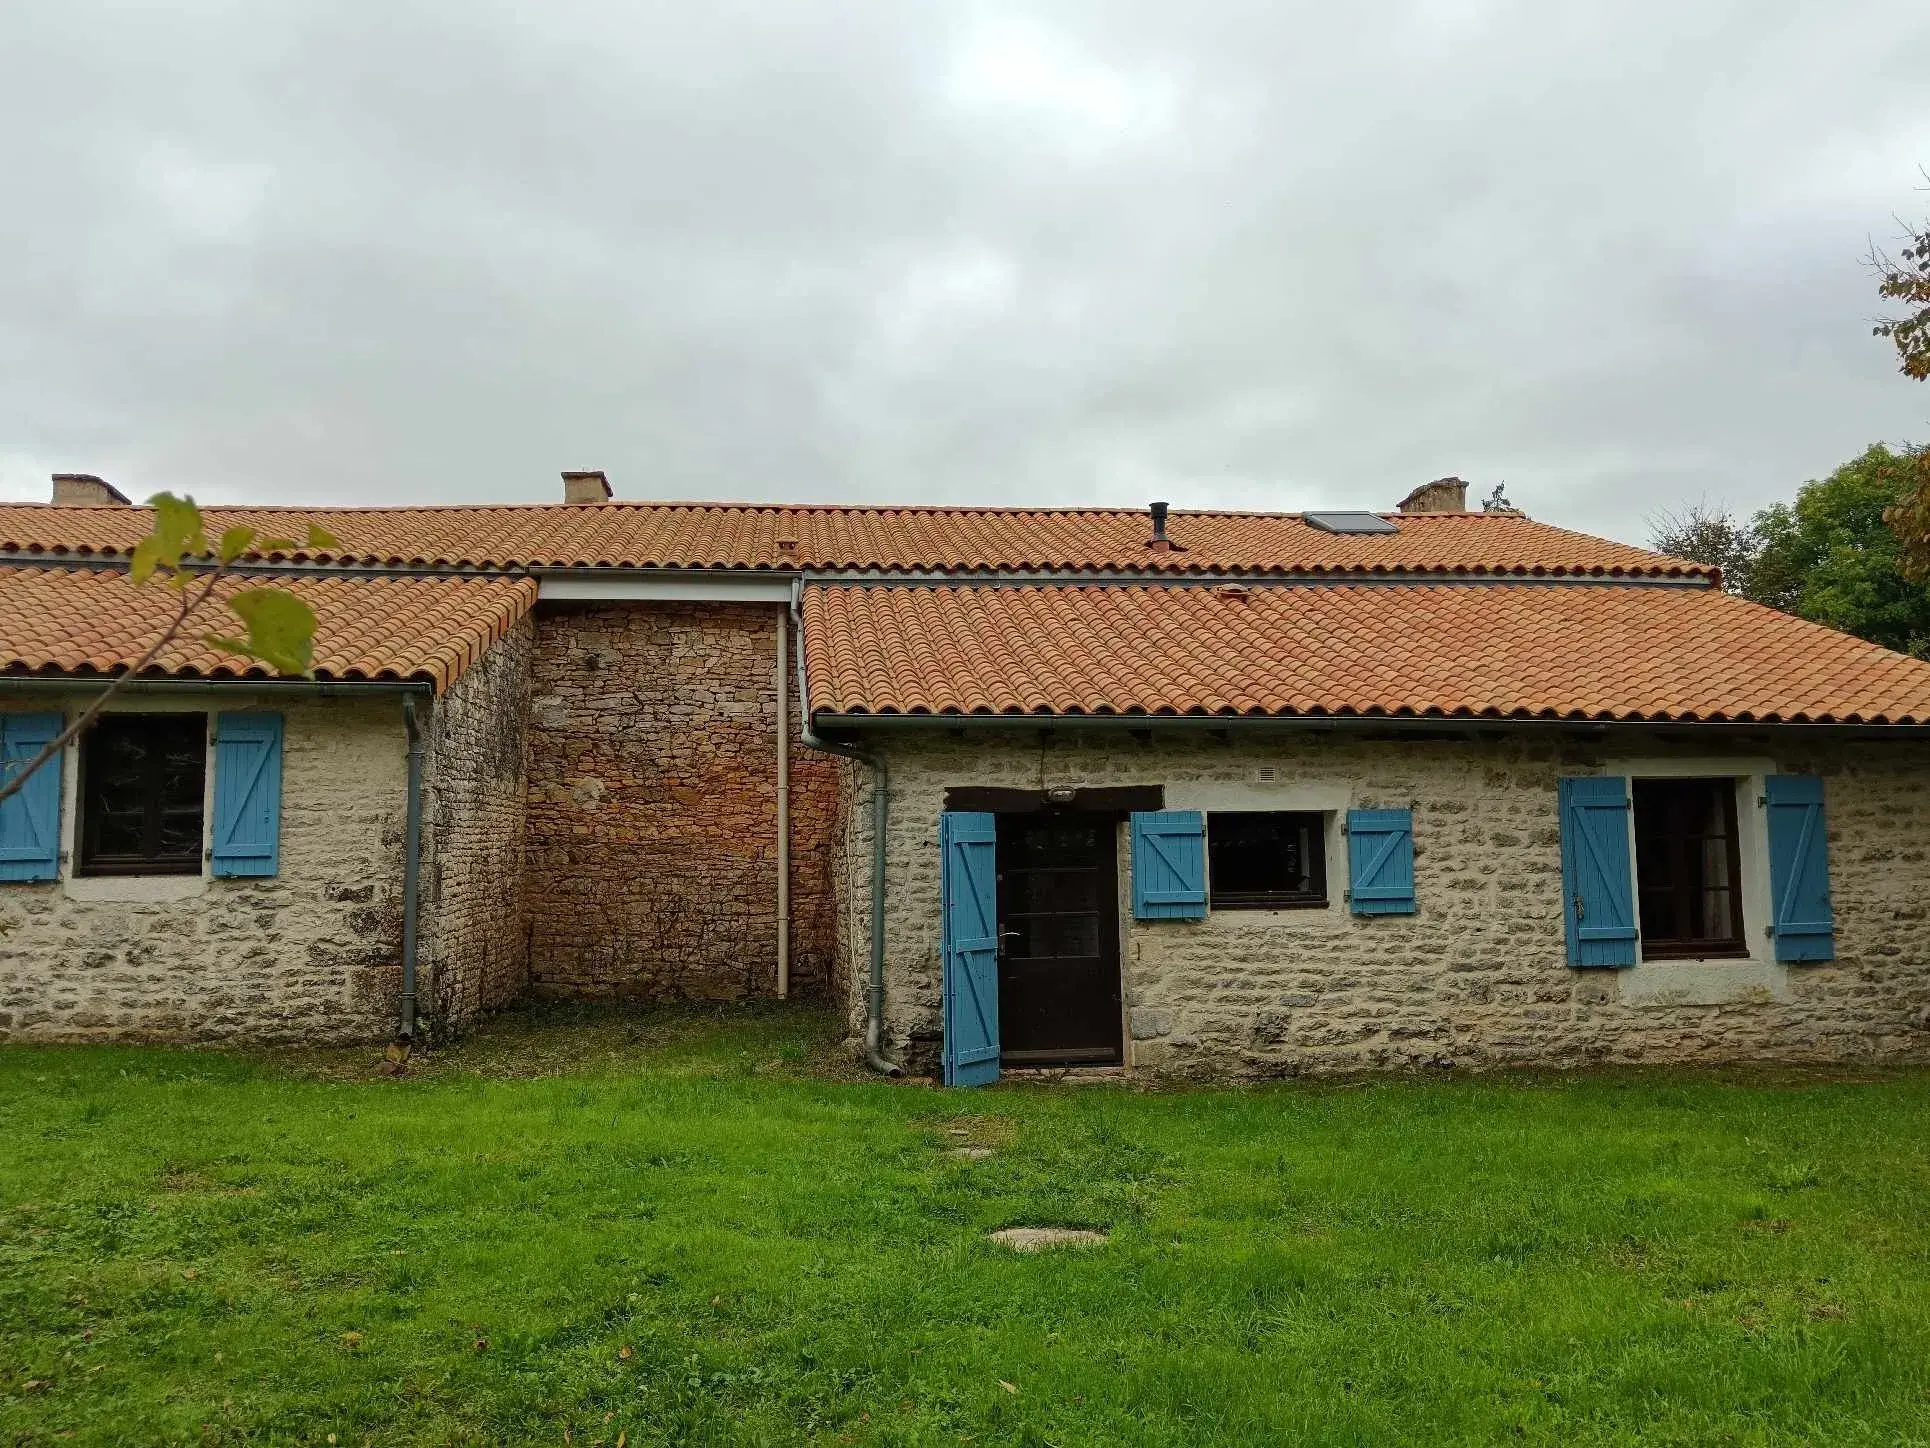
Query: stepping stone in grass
[970, 1153]
[1037, 1239]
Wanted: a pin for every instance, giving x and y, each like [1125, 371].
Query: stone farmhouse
[1199, 793]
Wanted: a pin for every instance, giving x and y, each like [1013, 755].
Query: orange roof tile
[95, 621]
[728, 535]
[1497, 650]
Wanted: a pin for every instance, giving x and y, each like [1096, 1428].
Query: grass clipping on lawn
[589, 1228]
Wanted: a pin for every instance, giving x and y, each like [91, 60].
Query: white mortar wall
[1478, 976]
[308, 955]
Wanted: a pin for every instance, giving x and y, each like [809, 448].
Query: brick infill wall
[652, 819]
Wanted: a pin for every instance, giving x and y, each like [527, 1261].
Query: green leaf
[281, 629]
[177, 525]
[279, 545]
[320, 539]
[235, 542]
[145, 558]
[177, 531]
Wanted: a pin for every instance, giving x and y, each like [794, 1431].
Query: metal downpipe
[874, 1029]
[783, 686]
[411, 868]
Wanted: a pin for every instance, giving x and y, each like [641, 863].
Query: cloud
[1064, 251]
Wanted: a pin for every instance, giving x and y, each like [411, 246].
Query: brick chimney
[1443, 495]
[84, 490]
[586, 487]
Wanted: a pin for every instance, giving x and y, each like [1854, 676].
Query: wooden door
[1058, 907]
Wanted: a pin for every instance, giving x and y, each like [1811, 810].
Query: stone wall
[474, 945]
[309, 955]
[652, 842]
[1478, 977]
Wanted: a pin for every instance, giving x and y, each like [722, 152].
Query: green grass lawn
[685, 1229]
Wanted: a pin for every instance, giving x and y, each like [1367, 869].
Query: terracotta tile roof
[1508, 650]
[95, 621]
[725, 535]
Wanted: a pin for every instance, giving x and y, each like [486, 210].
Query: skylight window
[1349, 523]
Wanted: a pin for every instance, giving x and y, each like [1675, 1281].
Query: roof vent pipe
[589, 486]
[84, 490]
[1159, 542]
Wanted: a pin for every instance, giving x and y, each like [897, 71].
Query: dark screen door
[1059, 939]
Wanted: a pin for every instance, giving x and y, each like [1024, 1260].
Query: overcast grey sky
[1229, 252]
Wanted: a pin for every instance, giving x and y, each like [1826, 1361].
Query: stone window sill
[1704, 982]
[134, 889]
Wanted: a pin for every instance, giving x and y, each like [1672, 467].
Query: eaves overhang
[1386, 724]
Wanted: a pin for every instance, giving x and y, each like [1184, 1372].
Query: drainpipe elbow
[874, 1033]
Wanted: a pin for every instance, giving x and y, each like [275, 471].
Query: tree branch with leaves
[276, 627]
[1905, 278]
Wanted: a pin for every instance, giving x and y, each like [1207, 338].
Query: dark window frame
[153, 858]
[1314, 896]
[1675, 895]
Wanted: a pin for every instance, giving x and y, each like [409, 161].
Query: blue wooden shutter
[1804, 925]
[1380, 861]
[30, 819]
[1598, 887]
[968, 893]
[247, 794]
[1169, 864]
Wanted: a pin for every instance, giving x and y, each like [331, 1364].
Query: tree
[277, 628]
[1909, 519]
[1832, 557]
[1905, 278]
[1709, 534]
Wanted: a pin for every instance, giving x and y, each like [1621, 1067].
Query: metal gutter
[300, 688]
[1335, 579]
[688, 586]
[561, 583]
[114, 563]
[874, 1029]
[1344, 724]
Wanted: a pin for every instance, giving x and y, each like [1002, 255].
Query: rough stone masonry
[1478, 977]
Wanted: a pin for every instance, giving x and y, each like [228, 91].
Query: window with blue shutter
[1380, 861]
[247, 794]
[1804, 925]
[968, 899]
[1169, 864]
[30, 818]
[1598, 893]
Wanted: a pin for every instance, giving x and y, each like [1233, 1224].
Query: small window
[142, 779]
[1266, 861]
[1687, 868]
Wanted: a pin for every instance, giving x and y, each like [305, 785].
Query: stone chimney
[84, 490]
[586, 487]
[1443, 495]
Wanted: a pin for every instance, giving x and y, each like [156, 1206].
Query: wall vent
[1268, 773]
